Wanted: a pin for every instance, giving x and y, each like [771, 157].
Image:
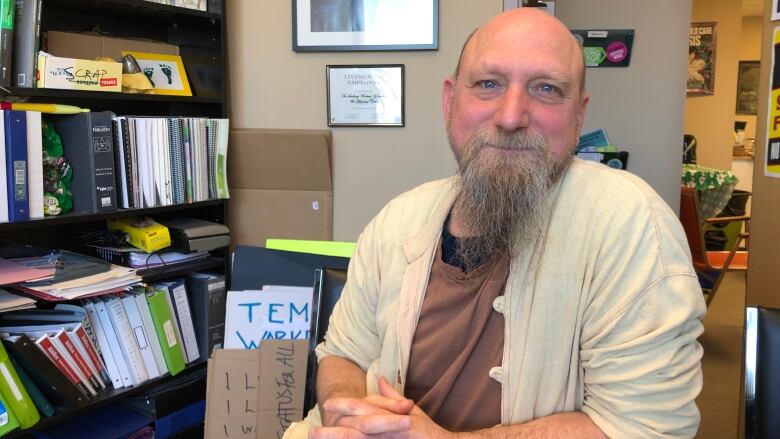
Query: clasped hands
[387, 415]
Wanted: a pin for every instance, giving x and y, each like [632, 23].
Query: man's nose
[513, 112]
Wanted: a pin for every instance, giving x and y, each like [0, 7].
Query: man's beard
[503, 193]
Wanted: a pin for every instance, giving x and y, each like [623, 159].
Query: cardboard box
[266, 384]
[86, 46]
[280, 185]
[78, 74]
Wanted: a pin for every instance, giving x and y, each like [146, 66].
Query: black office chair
[762, 374]
[328, 283]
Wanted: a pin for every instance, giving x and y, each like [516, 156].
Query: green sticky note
[325, 248]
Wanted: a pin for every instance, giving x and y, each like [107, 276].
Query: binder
[26, 37]
[47, 346]
[144, 346]
[72, 366]
[6, 40]
[15, 125]
[62, 339]
[127, 341]
[113, 342]
[164, 325]
[35, 163]
[88, 145]
[50, 379]
[154, 342]
[38, 398]
[87, 350]
[8, 421]
[3, 173]
[102, 344]
[177, 291]
[208, 298]
[15, 394]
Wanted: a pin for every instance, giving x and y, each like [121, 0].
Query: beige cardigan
[602, 311]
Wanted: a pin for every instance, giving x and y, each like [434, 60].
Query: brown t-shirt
[458, 339]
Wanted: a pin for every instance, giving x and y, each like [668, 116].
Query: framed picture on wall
[748, 76]
[775, 10]
[365, 95]
[701, 59]
[357, 25]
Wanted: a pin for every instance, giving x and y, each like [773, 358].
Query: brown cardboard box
[280, 185]
[264, 387]
[86, 46]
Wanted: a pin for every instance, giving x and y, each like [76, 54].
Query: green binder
[8, 421]
[163, 324]
[15, 394]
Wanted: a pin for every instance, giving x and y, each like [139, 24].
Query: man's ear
[581, 112]
[448, 88]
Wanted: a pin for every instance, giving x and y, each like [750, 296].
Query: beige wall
[273, 87]
[749, 50]
[711, 118]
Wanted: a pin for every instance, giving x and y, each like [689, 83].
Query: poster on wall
[775, 10]
[701, 59]
[772, 153]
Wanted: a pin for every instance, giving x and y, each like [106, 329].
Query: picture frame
[748, 77]
[775, 10]
[701, 58]
[365, 95]
[166, 72]
[364, 25]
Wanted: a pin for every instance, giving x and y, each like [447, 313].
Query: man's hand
[388, 415]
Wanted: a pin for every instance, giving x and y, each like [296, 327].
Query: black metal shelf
[171, 270]
[136, 8]
[20, 93]
[107, 396]
[82, 217]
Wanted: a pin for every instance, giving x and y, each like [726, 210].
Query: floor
[719, 400]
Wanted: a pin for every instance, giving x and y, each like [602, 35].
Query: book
[103, 347]
[208, 298]
[47, 346]
[137, 324]
[127, 342]
[38, 398]
[35, 163]
[54, 384]
[177, 291]
[88, 145]
[8, 421]
[15, 394]
[6, 40]
[113, 342]
[139, 295]
[27, 28]
[15, 126]
[164, 324]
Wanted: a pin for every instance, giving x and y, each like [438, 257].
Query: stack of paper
[12, 302]
[115, 279]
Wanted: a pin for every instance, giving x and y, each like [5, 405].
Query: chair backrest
[692, 224]
[328, 283]
[762, 375]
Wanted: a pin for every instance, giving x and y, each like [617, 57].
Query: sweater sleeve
[641, 361]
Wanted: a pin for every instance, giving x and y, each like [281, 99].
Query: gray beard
[502, 196]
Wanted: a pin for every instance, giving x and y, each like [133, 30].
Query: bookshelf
[201, 39]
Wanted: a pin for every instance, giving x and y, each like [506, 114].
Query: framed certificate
[365, 95]
[356, 25]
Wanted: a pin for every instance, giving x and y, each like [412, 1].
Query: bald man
[530, 295]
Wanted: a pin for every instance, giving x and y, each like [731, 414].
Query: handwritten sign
[274, 313]
[256, 394]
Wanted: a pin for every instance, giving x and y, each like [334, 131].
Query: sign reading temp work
[605, 48]
[772, 155]
[273, 313]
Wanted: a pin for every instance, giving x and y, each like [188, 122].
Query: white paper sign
[272, 313]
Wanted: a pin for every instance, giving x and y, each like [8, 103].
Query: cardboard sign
[258, 393]
[270, 314]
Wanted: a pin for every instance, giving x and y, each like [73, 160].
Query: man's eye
[488, 84]
[547, 88]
